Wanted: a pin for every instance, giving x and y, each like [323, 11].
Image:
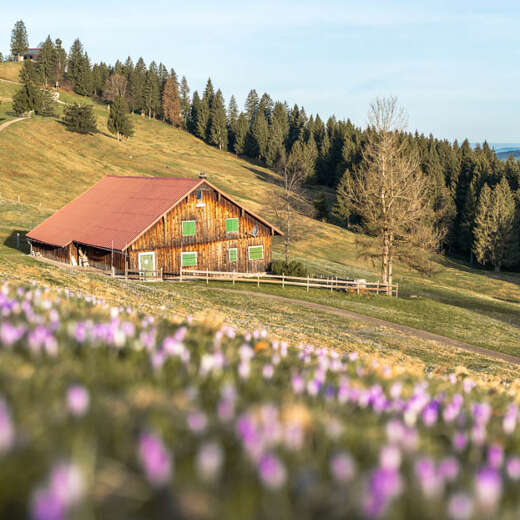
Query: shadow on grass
[16, 240]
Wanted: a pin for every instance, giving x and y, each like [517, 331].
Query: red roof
[117, 210]
[113, 212]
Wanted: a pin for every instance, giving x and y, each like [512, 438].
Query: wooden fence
[355, 286]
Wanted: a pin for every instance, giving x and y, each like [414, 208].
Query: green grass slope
[44, 166]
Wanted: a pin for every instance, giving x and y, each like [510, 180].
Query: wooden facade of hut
[153, 224]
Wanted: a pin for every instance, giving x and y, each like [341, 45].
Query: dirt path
[10, 81]
[3, 126]
[387, 324]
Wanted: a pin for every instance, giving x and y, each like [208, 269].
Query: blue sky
[453, 65]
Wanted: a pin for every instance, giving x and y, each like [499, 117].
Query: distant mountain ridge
[503, 150]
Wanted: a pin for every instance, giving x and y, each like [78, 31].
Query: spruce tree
[256, 145]
[240, 134]
[199, 117]
[185, 102]
[232, 118]
[171, 102]
[75, 64]
[19, 39]
[218, 134]
[28, 97]
[341, 211]
[118, 120]
[251, 106]
[80, 118]
[61, 58]
[47, 63]
[496, 233]
[136, 87]
[275, 151]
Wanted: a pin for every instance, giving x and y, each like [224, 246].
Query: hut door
[147, 264]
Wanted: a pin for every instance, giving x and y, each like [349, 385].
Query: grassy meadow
[45, 166]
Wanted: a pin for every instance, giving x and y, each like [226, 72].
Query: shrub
[292, 268]
[80, 118]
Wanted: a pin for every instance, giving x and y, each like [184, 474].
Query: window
[233, 254]
[256, 252]
[199, 194]
[189, 259]
[188, 228]
[232, 225]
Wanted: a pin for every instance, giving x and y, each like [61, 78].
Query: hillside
[44, 166]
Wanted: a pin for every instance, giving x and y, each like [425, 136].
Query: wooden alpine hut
[153, 224]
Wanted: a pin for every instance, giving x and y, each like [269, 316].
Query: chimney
[202, 175]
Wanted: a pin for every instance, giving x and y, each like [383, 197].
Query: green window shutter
[189, 259]
[232, 225]
[188, 228]
[256, 252]
[233, 254]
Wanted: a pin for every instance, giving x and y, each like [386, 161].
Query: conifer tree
[61, 58]
[256, 145]
[171, 102]
[266, 105]
[47, 63]
[341, 210]
[496, 227]
[200, 116]
[118, 120]
[275, 150]
[232, 118]
[195, 114]
[136, 87]
[251, 106]
[80, 118]
[19, 39]
[75, 63]
[218, 134]
[28, 97]
[240, 134]
[185, 103]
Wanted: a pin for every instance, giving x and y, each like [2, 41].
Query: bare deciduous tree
[292, 171]
[115, 87]
[389, 192]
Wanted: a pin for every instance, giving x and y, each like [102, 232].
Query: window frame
[187, 222]
[238, 224]
[189, 253]
[249, 252]
[235, 249]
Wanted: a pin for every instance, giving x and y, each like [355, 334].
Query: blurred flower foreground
[107, 413]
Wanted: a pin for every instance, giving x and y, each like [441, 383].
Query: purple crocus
[209, 461]
[495, 456]
[78, 400]
[488, 487]
[460, 507]
[384, 485]
[6, 428]
[342, 467]
[513, 468]
[156, 459]
[272, 472]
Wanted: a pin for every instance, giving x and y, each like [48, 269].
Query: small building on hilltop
[153, 224]
[32, 53]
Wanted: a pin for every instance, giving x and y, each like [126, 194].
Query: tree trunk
[385, 257]
[288, 231]
[390, 263]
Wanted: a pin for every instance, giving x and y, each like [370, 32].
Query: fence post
[113, 271]
[257, 280]
[307, 283]
[377, 288]
[397, 290]
[233, 277]
[331, 283]
[358, 288]
[126, 270]
[161, 273]
[207, 275]
[180, 275]
[283, 280]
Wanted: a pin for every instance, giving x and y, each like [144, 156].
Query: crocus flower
[155, 458]
[495, 456]
[460, 507]
[513, 468]
[6, 428]
[488, 487]
[342, 467]
[272, 472]
[78, 400]
[209, 461]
